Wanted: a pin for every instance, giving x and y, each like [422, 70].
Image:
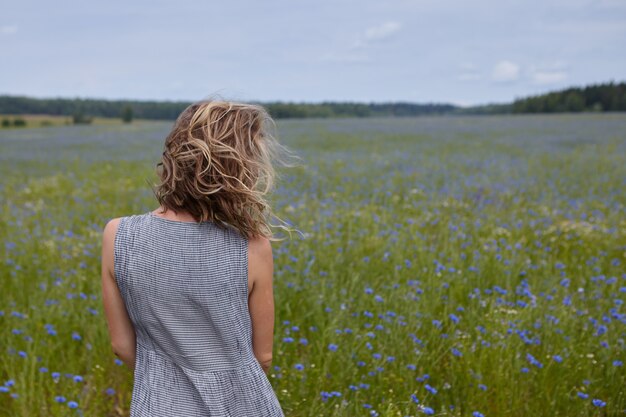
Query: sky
[464, 52]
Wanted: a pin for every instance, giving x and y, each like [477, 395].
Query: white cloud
[8, 29]
[548, 77]
[546, 73]
[381, 32]
[505, 71]
[377, 33]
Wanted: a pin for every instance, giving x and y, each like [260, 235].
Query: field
[449, 266]
[46, 120]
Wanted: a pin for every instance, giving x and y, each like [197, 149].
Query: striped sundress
[185, 287]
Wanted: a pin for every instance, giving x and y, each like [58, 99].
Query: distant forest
[600, 97]
[169, 110]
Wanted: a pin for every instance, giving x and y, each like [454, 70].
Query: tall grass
[447, 266]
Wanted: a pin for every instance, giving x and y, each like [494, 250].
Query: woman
[187, 287]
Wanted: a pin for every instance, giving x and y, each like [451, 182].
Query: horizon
[613, 81]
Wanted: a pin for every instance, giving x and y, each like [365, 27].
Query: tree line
[168, 110]
[600, 97]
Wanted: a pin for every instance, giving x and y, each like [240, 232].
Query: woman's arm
[261, 299]
[121, 329]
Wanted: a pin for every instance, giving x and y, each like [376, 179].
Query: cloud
[358, 53]
[548, 73]
[8, 29]
[505, 71]
[382, 32]
[548, 77]
[377, 33]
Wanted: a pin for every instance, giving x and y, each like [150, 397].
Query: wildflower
[430, 389]
[598, 403]
[72, 404]
[332, 347]
[299, 366]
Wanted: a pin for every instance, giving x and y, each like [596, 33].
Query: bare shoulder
[260, 247]
[260, 262]
[111, 228]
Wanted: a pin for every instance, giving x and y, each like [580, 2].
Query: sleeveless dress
[185, 287]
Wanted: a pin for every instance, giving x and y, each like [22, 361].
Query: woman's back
[185, 287]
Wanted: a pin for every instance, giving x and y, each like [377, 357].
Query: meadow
[447, 266]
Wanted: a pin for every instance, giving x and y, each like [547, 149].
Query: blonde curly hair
[217, 165]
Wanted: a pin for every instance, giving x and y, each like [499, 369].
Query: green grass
[453, 247]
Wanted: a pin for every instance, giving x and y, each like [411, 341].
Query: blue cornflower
[299, 366]
[430, 389]
[477, 414]
[72, 404]
[332, 347]
[428, 411]
[287, 339]
[4, 389]
[78, 378]
[378, 298]
[56, 375]
[304, 341]
[454, 318]
[582, 395]
[598, 403]
[414, 398]
[59, 399]
[482, 387]
[110, 391]
[533, 361]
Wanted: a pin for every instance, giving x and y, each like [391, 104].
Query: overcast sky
[464, 52]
